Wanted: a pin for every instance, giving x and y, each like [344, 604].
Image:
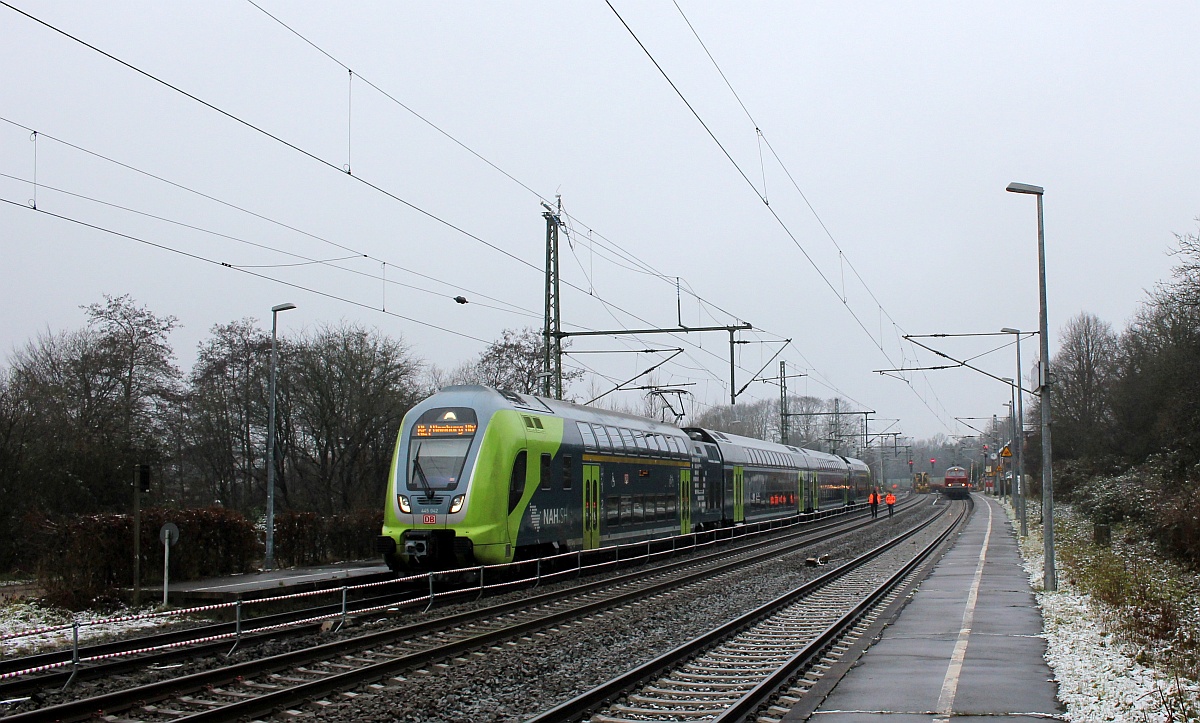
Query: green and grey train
[483, 477]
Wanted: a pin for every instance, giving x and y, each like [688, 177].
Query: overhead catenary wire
[329, 164]
[198, 257]
[617, 249]
[841, 255]
[290, 145]
[304, 260]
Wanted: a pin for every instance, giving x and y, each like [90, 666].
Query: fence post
[430, 605]
[538, 570]
[74, 653]
[345, 592]
[237, 627]
[481, 568]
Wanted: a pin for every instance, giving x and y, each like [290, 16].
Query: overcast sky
[900, 123]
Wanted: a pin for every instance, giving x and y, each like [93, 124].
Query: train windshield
[437, 449]
[436, 464]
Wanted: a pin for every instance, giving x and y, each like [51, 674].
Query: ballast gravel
[516, 680]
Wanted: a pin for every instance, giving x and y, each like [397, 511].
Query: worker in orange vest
[873, 501]
[891, 500]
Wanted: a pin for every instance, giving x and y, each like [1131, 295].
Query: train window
[601, 437]
[567, 471]
[516, 483]
[672, 507]
[652, 442]
[627, 438]
[545, 471]
[615, 436]
[626, 509]
[612, 509]
[660, 507]
[643, 444]
[585, 431]
[639, 510]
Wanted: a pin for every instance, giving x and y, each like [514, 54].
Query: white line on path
[945, 703]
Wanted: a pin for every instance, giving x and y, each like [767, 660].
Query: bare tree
[1083, 369]
[227, 415]
[1186, 289]
[135, 353]
[514, 363]
[344, 391]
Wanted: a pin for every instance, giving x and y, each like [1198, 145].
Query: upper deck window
[627, 438]
[589, 438]
[602, 437]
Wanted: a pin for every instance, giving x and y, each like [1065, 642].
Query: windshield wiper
[420, 473]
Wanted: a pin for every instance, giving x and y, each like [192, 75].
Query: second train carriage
[482, 476]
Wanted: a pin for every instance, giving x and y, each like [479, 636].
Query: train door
[591, 506]
[685, 501]
[739, 495]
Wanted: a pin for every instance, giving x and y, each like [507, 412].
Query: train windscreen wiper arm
[420, 473]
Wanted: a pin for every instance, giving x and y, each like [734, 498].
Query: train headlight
[457, 503]
[404, 504]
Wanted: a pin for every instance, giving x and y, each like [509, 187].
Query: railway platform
[968, 645]
[255, 585]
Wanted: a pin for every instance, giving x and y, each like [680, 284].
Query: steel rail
[591, 701]
[702, 567]
[51, 666]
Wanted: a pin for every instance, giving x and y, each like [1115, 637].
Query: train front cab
[463, 473]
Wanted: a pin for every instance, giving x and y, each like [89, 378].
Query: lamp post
[1010, 484]
[1019, 477]
[1050, 580]
[269, 558]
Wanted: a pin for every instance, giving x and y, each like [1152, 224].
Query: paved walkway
[968, 645]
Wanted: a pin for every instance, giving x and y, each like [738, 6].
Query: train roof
[734, 448]
[489, 399]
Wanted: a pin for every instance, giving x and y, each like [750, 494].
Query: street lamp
[1012, 418]
[269, 558]
[1050, 580]
[1019, 477]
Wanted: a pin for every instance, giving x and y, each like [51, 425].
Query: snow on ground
[17, 616]
[1098, 676]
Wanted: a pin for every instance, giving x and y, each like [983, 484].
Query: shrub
[85, 560]
[304, 538]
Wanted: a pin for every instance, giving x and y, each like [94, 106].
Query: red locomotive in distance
[957, 483]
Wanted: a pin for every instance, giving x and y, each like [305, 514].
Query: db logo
[429, 519]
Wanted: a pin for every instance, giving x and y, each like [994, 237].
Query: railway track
[763, 664]
[259, 686]
[50, 669]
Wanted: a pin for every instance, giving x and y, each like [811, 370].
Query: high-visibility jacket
[871, 500]
[891, 498]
